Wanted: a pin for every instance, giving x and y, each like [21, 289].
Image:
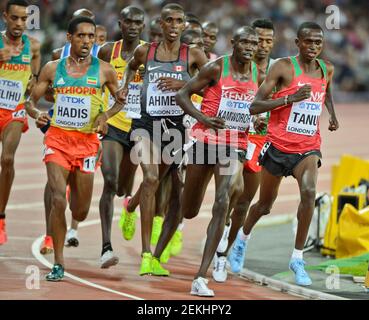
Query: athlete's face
[310, 43]
[131, 26]
[15, 20]
[156, 35]
[172, 24]
[265, 44]
[101, 36]
[245, 47]
[82, 39]
[210, 38]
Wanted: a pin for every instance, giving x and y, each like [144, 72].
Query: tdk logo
[74, 100]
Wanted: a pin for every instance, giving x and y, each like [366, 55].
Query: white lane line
[36, 253]
[18, 258]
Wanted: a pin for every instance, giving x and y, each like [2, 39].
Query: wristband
[286, 99]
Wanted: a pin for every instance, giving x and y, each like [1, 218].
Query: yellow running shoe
[156, 229]
[176, 243]
[146, 266]
[127, 221]
[157, 269]
[165, 254]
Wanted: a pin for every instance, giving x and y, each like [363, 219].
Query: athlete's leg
[111, 159]
[228, 188]
[306, 174]
[127, 173]
[47, 204]
[269, 185]
[251, 181]
[10, 137]
[57, 178]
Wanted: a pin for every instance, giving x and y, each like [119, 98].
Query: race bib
[161, 104]
[250, 150]
[89, 164]
[11, 92]
[133, 106]
[236, 114]
[304, 118]
[20, 114]
[72, 111]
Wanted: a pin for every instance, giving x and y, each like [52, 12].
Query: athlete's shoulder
[35, 44]
[329, 65]
[56, 54]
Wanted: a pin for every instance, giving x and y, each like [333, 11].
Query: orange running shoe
[3, 235]
[47, 246]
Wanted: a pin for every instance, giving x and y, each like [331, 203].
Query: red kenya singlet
[294, 128]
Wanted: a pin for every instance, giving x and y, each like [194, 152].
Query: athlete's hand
[259, 124]
[213, 122]
[121, 95]
[141, 71]
[31, 84]
[100, 125]
[5, 54]
[333, 123]
[42, 119]
[301, 94]
[170, 84]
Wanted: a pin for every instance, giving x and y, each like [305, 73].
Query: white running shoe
[71, 238]
[108, 259]
[223, 243]
[220, 271]
[200, 288]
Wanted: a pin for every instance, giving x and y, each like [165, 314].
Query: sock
[180, 226]
[243, 236]
[106, 247]
[2, 215]
[297, 254]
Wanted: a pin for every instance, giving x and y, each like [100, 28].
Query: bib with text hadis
[11, 92]
[304, 117]
[72, 111]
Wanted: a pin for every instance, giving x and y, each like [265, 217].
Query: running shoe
[47, 246]
[298, 267]
[56, 273]
[3, 235]
[146, 266]
[129, 221]
[165, 255]
[156, 229]
[223, 243]
[157, 269]
[71, 238]
[220, 271]
[200, 288]
[108, 259]
[176, 243]
[237, 255]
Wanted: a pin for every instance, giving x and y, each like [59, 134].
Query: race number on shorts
[89, 164]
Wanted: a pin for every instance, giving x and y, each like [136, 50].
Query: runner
[251, 171]
[210, 33]
[78, 117]
[168, 64]
[101, 35]
[155, 32]
[71, 239]
[20, 60]
[303, 85]
[117, 169]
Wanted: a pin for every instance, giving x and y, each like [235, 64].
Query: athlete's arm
[333, 122]
[105, 52]
[139, 57]
[277, 73]
[208, 75]
[44, 80]
[36, 56]
[49, 95]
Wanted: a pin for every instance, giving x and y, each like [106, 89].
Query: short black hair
[22, 3]
[131, 9]
[172, 6]
[188, 35]
[210, 25]
[308, 25]
[263, 24]
[73, 24]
